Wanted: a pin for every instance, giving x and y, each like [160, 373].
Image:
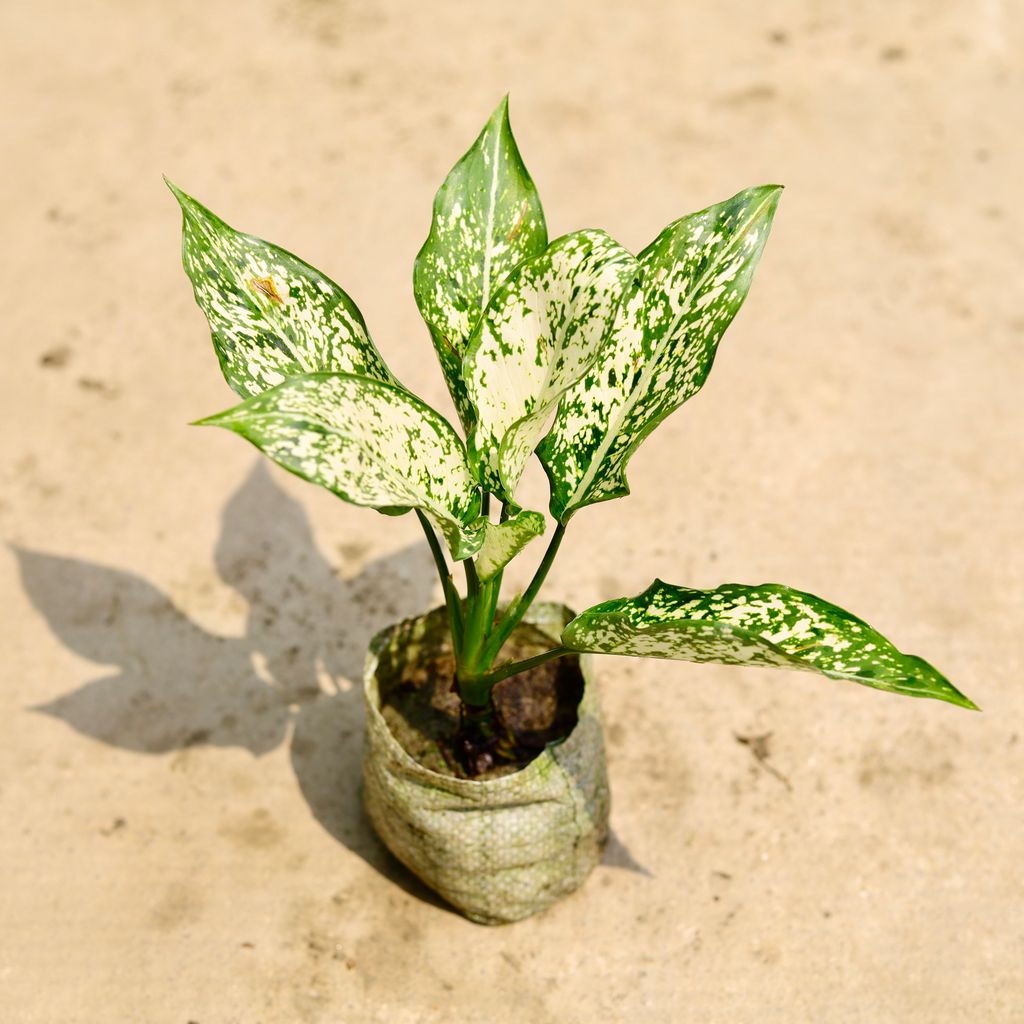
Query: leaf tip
[218, 419]
[192, 209]
[962, 700]
[183, 198]
[939, 687]
[770, 195]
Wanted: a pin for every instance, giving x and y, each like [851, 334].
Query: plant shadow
[294, 671]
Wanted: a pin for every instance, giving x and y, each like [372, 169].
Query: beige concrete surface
[182, 631]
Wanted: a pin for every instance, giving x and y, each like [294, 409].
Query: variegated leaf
[538, 336]
[760, 625]
[272, 315]
[369, 442]
[694, 277]
[487, 218]
[503, 541]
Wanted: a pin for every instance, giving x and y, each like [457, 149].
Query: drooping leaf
[487, 218]
[503, 541]
[539, 335]
[272, 315]
[755, 625]
[694, 277]
[371, 443]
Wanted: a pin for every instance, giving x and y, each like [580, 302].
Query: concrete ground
[183, 629]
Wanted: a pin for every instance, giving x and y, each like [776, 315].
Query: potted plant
[484, 766]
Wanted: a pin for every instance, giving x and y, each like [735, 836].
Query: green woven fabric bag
[502, 849]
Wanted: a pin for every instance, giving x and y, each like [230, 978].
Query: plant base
[499, 849]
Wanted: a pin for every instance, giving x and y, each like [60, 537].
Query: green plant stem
[472, 580]
[514, 615]
[473, 635]
[481, 600]
[513, 668]
[496, 581]
[478, 622]
[492, 604]
[451, 595]
[475, 622]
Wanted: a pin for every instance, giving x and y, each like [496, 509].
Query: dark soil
[422, 708]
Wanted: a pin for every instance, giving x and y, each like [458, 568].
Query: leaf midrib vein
[492, 200]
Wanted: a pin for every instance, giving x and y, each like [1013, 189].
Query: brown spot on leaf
[520, 220]
[265, 286]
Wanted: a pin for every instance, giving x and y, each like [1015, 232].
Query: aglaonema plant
[573, 350]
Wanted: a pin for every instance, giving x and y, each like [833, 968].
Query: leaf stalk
[451, 595]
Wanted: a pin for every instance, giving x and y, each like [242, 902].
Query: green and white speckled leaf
[371, 443]
[694, 277]
[272, 315]
[539, 335]
[755, 625]
[487, 218]
[503, 541]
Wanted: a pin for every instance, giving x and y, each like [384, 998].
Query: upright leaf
[503, 541]
[371, 443]
[539, 335]
[272, 315]
[761, 625]
[694, 277]
[487, 218]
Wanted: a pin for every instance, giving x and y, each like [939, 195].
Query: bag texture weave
[502, 849]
